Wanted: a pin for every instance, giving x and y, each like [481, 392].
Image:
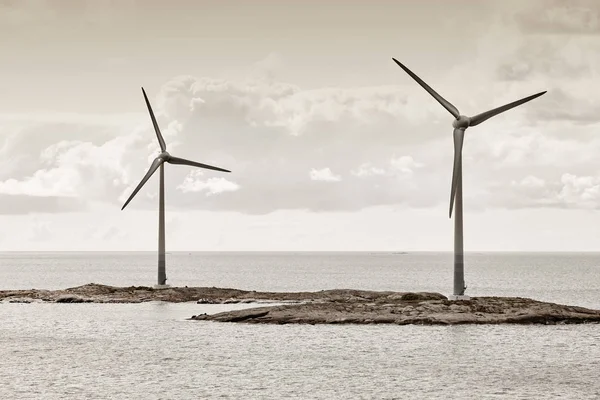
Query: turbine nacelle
[462, 122]
[164, 156]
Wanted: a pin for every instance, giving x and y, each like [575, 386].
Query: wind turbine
[460, 124]
[159, 162]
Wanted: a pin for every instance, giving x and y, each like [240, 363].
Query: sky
[331, 145]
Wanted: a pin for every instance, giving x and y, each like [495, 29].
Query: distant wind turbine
[460, 124]
[159, 162]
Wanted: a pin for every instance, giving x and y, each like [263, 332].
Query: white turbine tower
[460, 124]
[158, 162]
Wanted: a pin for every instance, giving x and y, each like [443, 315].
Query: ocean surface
[151, 351]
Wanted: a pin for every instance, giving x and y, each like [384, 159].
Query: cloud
[549, 45]
[561, 17]
[579, 191]
[268, 67]
[212, 186]
[76, 169]
[324, 175]
[30, 12]
[575, 107]
[405, 164]
[403, 167]
[110, 233]
[531, 182]
[24, 12]
[565, 191]
[272, 134]
[380, 145]
[24, 204]
[366, 170]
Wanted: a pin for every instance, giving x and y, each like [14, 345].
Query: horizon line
[399, 252]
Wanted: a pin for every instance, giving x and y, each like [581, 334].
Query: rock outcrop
[95, 293]
[412, 309]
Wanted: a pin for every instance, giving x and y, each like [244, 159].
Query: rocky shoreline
[339, 306]
[96, 293]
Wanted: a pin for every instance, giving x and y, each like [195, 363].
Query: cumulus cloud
[194, 183]
[76, 169]
[366, 170]
[324, 175]
[403, 166]
[566, 190]
[579, 191]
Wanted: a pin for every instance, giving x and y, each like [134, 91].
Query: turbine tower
[159, 162]
[460, 124]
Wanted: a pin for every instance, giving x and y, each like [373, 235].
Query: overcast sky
[332, 145]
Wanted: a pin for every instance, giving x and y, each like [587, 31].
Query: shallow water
[150, 350]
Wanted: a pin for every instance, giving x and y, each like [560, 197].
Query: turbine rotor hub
[461, 122]
[165, 156]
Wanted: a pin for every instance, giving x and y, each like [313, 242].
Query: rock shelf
[413, 309]
[96, 293]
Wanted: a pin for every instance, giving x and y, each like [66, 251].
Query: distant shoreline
[338, 306]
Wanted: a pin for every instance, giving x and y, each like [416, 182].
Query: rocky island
[96, 293]
[415, 309]
[339, 306]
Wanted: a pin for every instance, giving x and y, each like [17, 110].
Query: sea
[153, 351]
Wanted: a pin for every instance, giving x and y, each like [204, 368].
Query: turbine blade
[479, 118]
[445, 103]
[161, 141]
[183, 161]
[459, 135]
[153, 167]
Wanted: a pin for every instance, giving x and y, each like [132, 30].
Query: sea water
[152, 351]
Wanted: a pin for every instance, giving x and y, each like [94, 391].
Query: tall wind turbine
[460, 124]
[159, 162]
